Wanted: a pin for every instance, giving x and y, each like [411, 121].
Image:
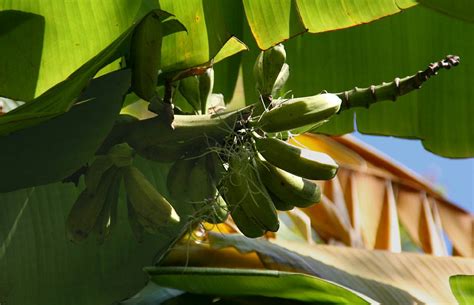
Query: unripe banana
[86, 210]
[298, 112]
[202, 187]
[177, 180]
[94, 173]
[287, 187]
[121, 155]
[233, 197]
[215, 166]
[153, 211]
[189, 89]
[298, 161]
[137, 229]
[206, 84]
[280, 204]
[246, 224]
[218, 210]
[108, 214]
[245, 190]
[145, 55]
[267, 68]
[281, 79]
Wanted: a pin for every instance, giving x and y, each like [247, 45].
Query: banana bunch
[222, 163]
[95, 209]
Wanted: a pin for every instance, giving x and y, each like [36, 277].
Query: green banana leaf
[388, 278]
[40, 266]
[462, 9]
[438, 114]
[55, 149]
[462, 287]
[249, 282]
[218, 45]
[277, 21]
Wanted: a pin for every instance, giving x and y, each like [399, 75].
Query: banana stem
[364, 97]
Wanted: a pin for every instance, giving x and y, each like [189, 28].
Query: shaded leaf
[18, 78]
[54, 149]
[462, 9]
[40, 266]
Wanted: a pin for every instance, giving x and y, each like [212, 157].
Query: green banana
[280, 204]
[298, 161]
[94, 173]
[137, 229]
[204, 195]
[153, 211]
[189, 89]
[87, 208]
[145, 55]
[246, 224]
[215, 166]
[121, 155]
[202, 187]
[108, 215]
[267, 67]
[206, 84]
[287, 187]
[218, 210]
[281, 79]
[299, 112]
[244, 190]
[177, 180]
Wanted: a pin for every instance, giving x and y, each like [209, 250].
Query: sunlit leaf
[462, 287]
[241, 282]
[276, 21]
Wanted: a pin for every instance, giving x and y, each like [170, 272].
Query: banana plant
[185, 42]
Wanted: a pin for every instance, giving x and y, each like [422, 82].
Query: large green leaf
[40, 266]
[272, 22]
[463, 9]
[73, 33]
[439, 113]
[462, 287]
[388, 278]
[20, 73]
[180, 50]
[250, 282]
[53, 150]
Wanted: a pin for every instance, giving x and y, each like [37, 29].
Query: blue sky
[454, 176]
